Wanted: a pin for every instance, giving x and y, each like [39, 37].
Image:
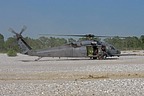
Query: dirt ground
[25, 68]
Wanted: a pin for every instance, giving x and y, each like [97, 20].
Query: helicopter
[87, 48]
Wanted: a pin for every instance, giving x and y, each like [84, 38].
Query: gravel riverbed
[22, 76]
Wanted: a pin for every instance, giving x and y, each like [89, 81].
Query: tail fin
[25, 48]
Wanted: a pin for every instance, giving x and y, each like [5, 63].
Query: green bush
[12, 53]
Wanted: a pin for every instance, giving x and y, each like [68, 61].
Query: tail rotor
[18, 35]
[25, 48]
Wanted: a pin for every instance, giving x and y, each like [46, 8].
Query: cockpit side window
[111, 47]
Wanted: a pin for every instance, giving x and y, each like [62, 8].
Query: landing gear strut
[38, 59]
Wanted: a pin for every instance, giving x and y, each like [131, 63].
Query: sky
[98, 17]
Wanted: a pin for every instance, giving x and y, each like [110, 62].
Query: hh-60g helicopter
[87, 48]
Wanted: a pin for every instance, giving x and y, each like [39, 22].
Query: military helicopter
[87, 48]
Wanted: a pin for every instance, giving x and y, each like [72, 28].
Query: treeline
[40, 43]
[129, 43]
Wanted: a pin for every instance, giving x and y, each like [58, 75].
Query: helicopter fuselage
[79, 49]
[86, 48]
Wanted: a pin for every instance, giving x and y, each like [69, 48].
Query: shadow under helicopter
[67, 59]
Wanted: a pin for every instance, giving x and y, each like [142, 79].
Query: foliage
[11, 43]
[45, 42]
[142, 41]
[12, 53]
[129, 43]
[1, 42]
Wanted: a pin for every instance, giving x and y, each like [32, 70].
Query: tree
[44, 41]
[142, 41]
[1, 42]
[57, 41]
[116, 41]
[11, 53]
[11, 43]
[128, 43]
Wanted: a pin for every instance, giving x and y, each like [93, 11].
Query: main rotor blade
[60, 35]
[87, 35]
[23, 29]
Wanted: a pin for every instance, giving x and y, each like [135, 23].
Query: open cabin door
[89, 51]
[95, 52]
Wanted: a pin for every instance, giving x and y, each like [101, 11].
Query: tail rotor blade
[11, 30]
[18, 35]
[23, 29]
